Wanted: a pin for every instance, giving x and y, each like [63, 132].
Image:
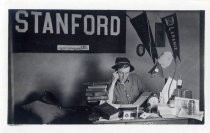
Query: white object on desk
[197, 116]
[161, 98]
[115, 119]
[127, 115]
[172, 84]
[167, 112]
[144, 115]
[179, 82]
[181, 102]
[153, 101]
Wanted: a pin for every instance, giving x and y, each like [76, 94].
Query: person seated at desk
[125, 87]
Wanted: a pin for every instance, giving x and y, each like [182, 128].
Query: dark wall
[64, 73]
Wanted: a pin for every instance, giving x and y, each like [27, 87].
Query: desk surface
[146, 121]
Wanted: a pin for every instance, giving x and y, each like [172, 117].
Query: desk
[146, 121]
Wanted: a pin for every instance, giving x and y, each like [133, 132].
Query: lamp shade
[165, 59]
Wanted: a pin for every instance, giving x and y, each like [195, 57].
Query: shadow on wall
[66, 85]
[91, 72]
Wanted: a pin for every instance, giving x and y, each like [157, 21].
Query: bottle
[179, 86]
[172, 101]
[178, 90]
[191, 107]
[187, 93]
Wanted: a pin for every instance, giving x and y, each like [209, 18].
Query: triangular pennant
[142, 27]
[171, 28]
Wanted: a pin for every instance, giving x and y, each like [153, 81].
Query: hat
[122, 61]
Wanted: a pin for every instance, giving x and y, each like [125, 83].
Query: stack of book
[95, 93]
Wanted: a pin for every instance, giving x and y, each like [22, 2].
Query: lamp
[163, 61]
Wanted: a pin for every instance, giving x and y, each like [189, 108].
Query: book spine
[98, 98]
[93, 93]
[97, 83]
[104, 93]
[92, 101]
[89, 94]
[98, 86]
[95, 89]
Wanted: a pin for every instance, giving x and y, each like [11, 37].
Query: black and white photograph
[106, 66]
[90, 66]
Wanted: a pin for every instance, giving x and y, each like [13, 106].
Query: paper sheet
[165, 111]
[197, 116]
[180, 110]
[181, 102]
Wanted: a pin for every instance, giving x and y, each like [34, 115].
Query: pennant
[142, 27]
[171, 28]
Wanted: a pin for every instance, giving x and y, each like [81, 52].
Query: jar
[191, 107]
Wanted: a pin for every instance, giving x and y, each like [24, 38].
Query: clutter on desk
[183, 107]
[130, 111]
[172, 102]
[174, 88]
[177, 102]
[192, 105]
[185, 113]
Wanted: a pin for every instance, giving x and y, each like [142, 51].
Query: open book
[142, 98]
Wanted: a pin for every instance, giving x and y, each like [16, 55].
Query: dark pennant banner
[171, 28]
[142, 27]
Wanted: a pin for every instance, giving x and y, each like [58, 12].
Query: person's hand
[115, 76]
